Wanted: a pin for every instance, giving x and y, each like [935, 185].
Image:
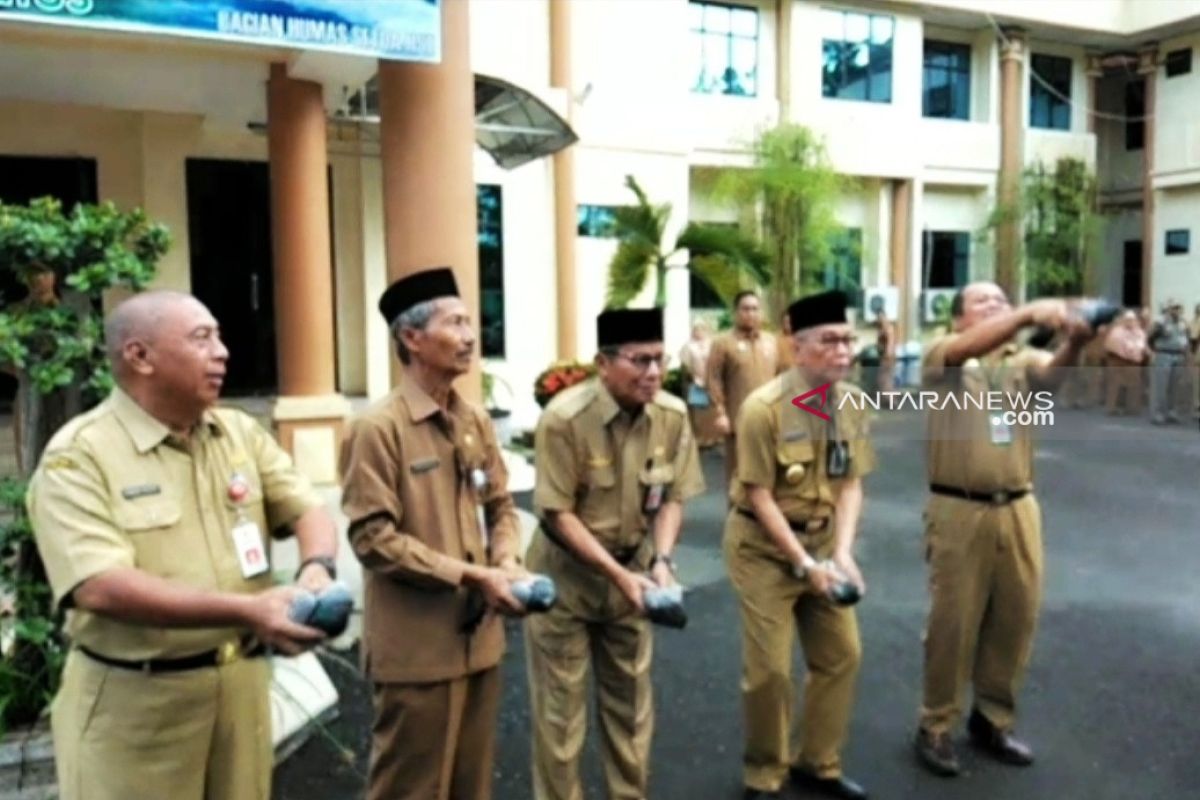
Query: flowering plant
[559, 376]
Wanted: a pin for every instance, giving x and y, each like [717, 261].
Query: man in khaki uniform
[983, 538]
[615, 462]
[797, 496]
[432, 522]
[740, 361]
[151, 513]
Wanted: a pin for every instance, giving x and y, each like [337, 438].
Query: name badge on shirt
[248, 541]
[837, 459]
[1001, 432]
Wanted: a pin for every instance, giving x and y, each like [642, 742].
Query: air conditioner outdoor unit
[881, 298]
[935, 304]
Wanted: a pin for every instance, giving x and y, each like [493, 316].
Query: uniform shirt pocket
[599, 504]
[150, 524]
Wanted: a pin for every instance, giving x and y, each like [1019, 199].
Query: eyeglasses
[644, 360]
[830, 341]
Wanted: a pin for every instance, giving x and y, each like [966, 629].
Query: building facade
[934, 107]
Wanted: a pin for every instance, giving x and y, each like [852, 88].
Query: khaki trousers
[775, 607]
[202, 734]
[592, 628]
[435, 741]
[985, 586]
[1123, 376]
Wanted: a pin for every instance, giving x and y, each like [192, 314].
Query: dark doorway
[229, 228]
[23, 178]
[1131, 288]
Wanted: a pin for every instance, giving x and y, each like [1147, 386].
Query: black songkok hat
[621, 326]
[416, 288]
[825, 308]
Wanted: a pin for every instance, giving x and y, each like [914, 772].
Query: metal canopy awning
[511, 124]
[515, 127]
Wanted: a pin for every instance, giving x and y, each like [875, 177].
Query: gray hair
[416, 318]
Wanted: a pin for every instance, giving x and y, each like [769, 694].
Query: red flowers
[560, 376]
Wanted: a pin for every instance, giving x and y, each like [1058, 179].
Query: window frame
[1178, 247]
[961, 259]
[589, 226]
[487, 343]
[953, 72]
[869, 75]
[1053, 103]
[1135, 109]
[1178, 62]
[699, 36]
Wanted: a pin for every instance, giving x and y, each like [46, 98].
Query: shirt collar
[146, 430]
[606, 407]
[420, 405]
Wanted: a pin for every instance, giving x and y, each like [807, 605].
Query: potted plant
[500, 415]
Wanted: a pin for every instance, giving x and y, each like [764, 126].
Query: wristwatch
[665, 559]
[325, 561]
[801, 570]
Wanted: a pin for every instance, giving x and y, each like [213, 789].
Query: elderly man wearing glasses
[789, 543]
[615, 461]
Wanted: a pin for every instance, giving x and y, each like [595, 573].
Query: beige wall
[1177, 275]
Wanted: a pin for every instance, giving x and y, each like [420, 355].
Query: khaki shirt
[961, 452]
[595, 460]
[775, 439]
[739, 364]
[407, 491]
[115, 490]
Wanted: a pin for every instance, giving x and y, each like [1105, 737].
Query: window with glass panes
[597, 222]
[844, 268]
[489, 217]
[947, 92]
[947, 259]
[724, 46]
[856, 56]
[1050, 92]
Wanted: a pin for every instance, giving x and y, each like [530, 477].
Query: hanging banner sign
[401, 30]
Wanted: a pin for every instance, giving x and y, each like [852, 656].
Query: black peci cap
[621, 326]
[825, 308]
[416, 288]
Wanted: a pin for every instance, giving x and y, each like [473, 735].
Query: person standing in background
[694, 358]
[741, 361]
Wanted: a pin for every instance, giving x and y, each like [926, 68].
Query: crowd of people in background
[1136, 365]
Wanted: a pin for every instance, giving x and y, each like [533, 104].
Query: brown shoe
[1001, 745]
[937, 753]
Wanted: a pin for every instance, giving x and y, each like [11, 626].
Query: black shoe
[840, 787]
[1001, 745]
[937, 753]
[759, 794]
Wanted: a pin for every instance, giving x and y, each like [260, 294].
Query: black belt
[622, 555]
[217, 657]
[1001, 497]
[806, 526]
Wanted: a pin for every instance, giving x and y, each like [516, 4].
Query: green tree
[1061, 229]
[790, 191]
[724, 258]
[56, 350]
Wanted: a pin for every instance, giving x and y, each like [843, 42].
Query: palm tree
[724, 258]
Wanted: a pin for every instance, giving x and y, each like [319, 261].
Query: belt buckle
[229, 652]
[1001, 498]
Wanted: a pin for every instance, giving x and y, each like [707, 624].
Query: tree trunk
[36, 418]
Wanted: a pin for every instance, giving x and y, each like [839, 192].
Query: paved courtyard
[1112, 695]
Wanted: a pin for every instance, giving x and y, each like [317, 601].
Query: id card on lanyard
[247, 538]
[1000, 432]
